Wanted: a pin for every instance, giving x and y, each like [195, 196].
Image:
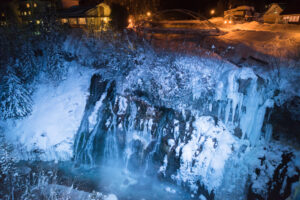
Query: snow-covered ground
[271, 39]
[249, 38]
[48, 133]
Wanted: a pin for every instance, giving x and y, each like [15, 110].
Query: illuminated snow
[204, 156]
[56, 116]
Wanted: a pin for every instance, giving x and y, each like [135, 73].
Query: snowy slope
[57, 112]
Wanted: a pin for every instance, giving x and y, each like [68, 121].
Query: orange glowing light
[105, 19]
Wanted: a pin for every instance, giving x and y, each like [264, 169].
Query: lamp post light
[148, 14]
[212, 12]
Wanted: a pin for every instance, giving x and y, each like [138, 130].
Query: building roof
[292, 8]
[75, 11]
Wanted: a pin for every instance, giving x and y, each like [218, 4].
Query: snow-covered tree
[15, 98]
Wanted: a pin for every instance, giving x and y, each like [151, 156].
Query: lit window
[81, 21]
[25, 13]
[73, 21]
[64, 21]
[27, 5]
[29, 12]
[35, 5]
[38, 21]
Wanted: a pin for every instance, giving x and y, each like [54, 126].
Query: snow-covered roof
[84, 11]
[275, 7]
[75, 11]
[244, 7]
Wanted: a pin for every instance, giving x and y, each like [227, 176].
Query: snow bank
[56, 116]
[111, 197]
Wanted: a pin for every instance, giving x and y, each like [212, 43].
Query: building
[272, 15]
[9, 13]
[25, 12]
[291, 14]
[87, 17]
[4, 14]
[33, 11]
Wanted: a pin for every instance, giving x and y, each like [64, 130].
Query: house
[272, 15]
[291, 14]
[32, 11]
[5, 13]
[87, 17]
[25, 12]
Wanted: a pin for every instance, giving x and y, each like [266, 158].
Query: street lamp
[212, 12]
[148, 14]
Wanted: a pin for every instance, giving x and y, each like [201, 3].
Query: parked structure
[291, 14]
[92, 17]
[272, 15]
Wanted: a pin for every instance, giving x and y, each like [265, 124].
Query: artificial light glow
[25, 13]
[28, 5]
[130, 23]
[105, 19]
[64, 21]
[34, 5]
[230, 22]
[38, 21]
[29, 12]
[225, 22]
[149, 14]
[3, 14]
[212, 12]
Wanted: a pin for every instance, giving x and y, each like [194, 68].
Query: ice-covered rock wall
[185, 124]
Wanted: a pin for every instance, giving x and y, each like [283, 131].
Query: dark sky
[203, 5]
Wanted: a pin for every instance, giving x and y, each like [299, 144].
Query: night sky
[201, 6]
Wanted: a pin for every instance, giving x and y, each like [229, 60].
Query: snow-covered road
[241, 41]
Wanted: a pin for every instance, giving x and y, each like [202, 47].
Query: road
[251, 42]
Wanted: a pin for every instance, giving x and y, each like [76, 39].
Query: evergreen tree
[15, 100]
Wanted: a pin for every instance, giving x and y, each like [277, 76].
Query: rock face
[218, 146]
